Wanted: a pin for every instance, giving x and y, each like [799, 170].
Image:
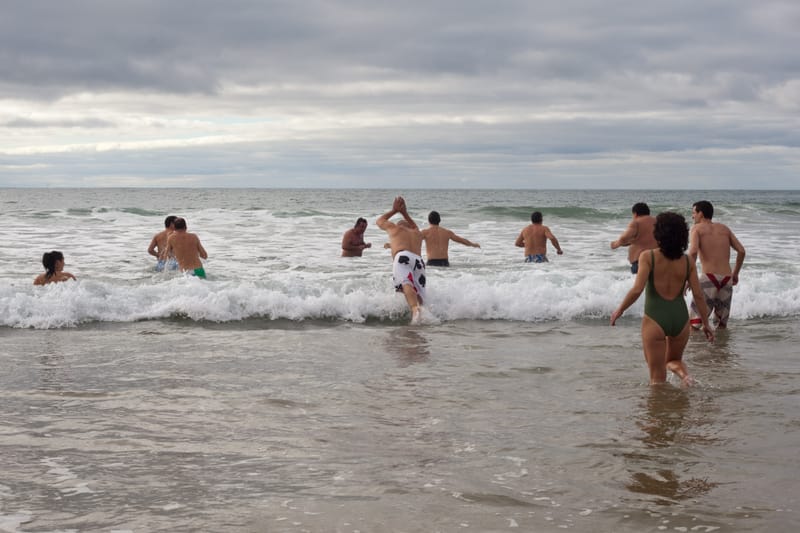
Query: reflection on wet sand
[409, 345]
[668, 426]
[50, 365]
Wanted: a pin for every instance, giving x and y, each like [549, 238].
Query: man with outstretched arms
[638, 236]
[533, 238]
[712, 243]
[408, 268]
[187, 249]
[437, 240]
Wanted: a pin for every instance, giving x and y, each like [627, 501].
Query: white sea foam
[531, 296]
[275, 255]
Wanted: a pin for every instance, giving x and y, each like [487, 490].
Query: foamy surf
[275, 255]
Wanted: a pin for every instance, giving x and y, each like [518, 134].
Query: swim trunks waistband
[536, 258]
[437, 263]
[169, 264]
[199, 272]
[718, 292]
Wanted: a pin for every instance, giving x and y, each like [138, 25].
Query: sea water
[287, 392]
[275, 254]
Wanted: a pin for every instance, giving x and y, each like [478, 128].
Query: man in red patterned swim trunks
[712, 242]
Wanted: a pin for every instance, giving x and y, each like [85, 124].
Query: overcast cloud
[330, 93]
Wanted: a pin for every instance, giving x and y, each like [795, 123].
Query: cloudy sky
[698, 94]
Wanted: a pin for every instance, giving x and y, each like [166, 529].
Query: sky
[529, 94]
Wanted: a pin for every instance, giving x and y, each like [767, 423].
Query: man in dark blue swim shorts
[534, 237]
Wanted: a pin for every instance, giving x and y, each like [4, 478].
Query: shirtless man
[534, 239]
[158, 246]
[408, 270]
[353, 241]
[437, 239]
[187, 249]
[712, 242]
[638, 236]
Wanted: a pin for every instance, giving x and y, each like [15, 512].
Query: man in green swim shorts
[186, 248]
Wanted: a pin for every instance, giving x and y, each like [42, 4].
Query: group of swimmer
[664, 272]
[405, 242]
[656, 251]
[175, 248]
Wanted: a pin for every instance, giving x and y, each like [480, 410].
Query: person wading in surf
[712, 242]
[408, 268]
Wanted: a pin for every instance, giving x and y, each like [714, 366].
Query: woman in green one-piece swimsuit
[663, 273]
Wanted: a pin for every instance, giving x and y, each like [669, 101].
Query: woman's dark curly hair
[672, 234]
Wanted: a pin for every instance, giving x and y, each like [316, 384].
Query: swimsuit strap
[652, 266]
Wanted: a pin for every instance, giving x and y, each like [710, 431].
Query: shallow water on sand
[258, 425]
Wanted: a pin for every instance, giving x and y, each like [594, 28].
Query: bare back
[643, 236]
[403, 237]
[187, 250]
[57, 277]
[158, 246]
[712, 243]
[437, 241]
[534, 239]
[669, 276]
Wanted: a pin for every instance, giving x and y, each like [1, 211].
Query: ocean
[288, 392]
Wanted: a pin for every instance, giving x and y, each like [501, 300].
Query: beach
[288, 392]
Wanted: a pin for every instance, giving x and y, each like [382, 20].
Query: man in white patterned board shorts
[712, 242]
[408, 268]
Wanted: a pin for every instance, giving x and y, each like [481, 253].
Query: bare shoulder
[646, 257]
[702, 229]
[385, 224]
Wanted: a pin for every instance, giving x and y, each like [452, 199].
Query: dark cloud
[194, 46]
[450, 88]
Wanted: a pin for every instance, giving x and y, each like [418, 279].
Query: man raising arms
[187, 249]
[638, 236]
[533, 238]
[437, 240]
[712, 242]
[408, 270]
